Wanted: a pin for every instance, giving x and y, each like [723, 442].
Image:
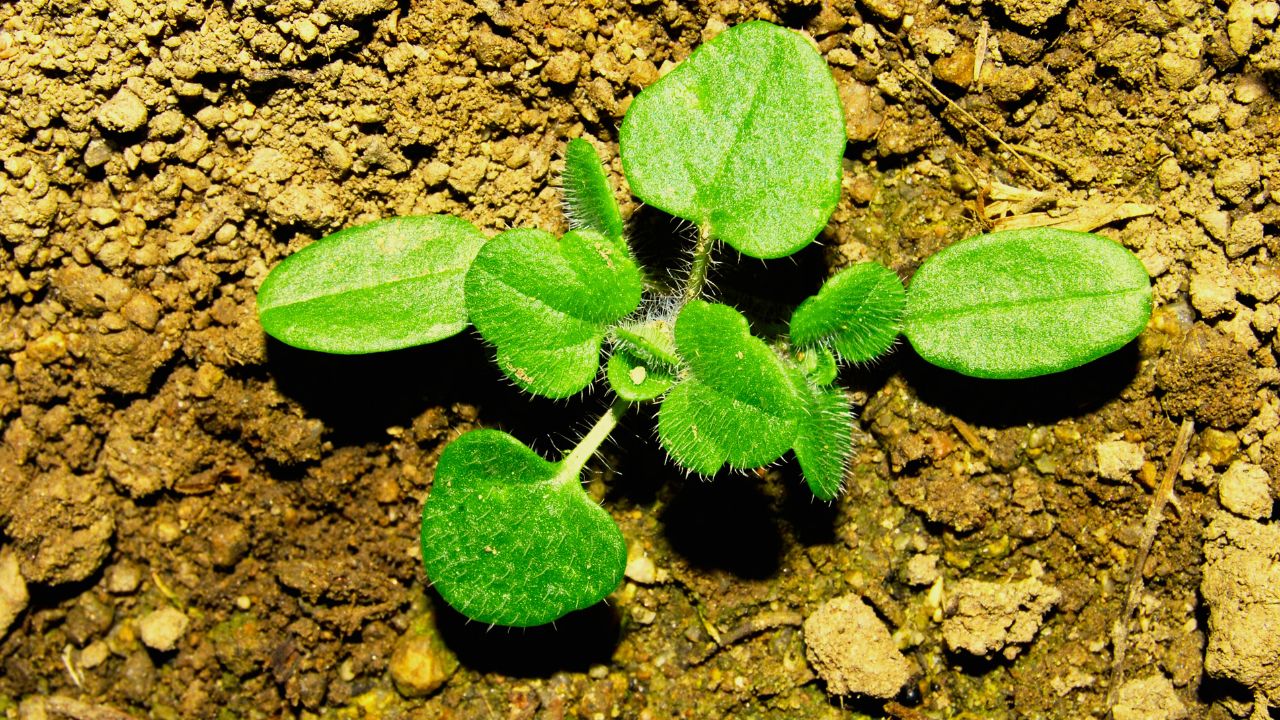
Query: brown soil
[159, 453]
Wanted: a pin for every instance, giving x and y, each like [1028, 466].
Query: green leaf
[588, 196]
[735, 404]
[546, 304]
[824, 438]
[652, 342]
[391, 284]
[1022, 303]
[744, 138]
[511, 539]
[635, 380]
[858, 312]
[818, 365]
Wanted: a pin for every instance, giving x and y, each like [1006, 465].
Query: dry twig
[1163, 496]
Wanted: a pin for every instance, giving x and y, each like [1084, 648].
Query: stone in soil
[162, 629]
[851, 649]
[986, 617]
[13, 591]
[1149, 698]
[1241, 587]
[1245, 490]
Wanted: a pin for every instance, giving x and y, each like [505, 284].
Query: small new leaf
[857, 312]
[546, 303]
[1029, 302]
[735, 404]
[390, 284]
[818, 365]
[588, 196]
[744, 138]
[636, 380]
[511, 539]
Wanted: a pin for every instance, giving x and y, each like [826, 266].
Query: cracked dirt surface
[197, 522]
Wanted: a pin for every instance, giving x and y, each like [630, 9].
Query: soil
[198, 522]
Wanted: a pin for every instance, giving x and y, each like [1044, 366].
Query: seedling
[744, 139]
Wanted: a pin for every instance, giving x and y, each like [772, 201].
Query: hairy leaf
[824, 438]
[735, 404]
[857, 312]
[744, 138]
[511, 539]
[391, 284]
[1022, 303]
[588, 196]
[546, 303]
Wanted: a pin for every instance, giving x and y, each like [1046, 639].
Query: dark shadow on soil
[573, 643]
[643, 468]
[359, 396]
[812, 521]
[725, 523]
[1005, 403]
[764, 290]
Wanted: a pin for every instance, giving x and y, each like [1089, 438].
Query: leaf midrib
[746, 121]
[543, 304]
[365, 288]
[976, 309]
[831, 330]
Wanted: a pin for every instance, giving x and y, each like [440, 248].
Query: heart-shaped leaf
[546, 304]
[588, 196]
[391, 284]
[858, 312]
[1022, 303]
[824, 438]
[511, 539]
[735, 404]
[744, 138]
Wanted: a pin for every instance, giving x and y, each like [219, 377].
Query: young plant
[744, 139]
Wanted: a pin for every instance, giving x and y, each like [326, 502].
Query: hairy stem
[701, 261]
[571, 466]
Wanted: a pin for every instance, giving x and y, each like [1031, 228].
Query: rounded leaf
[511, 539]
[1029, 302]
[546, 303]
[390, 284]
[744, 138]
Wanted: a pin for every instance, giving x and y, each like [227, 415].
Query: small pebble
[641, 570]
[1245, 490]
[1236, 178]
[420, 664]
[123, 578]
[13, 591]
[562, 68]
[162, 629]
[97, 153]
[1118, 459]
[306, 30]
[124, 112]
[1150, 698]
[921, 570]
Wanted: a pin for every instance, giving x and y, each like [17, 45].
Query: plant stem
[701, 262]
[571, 466]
